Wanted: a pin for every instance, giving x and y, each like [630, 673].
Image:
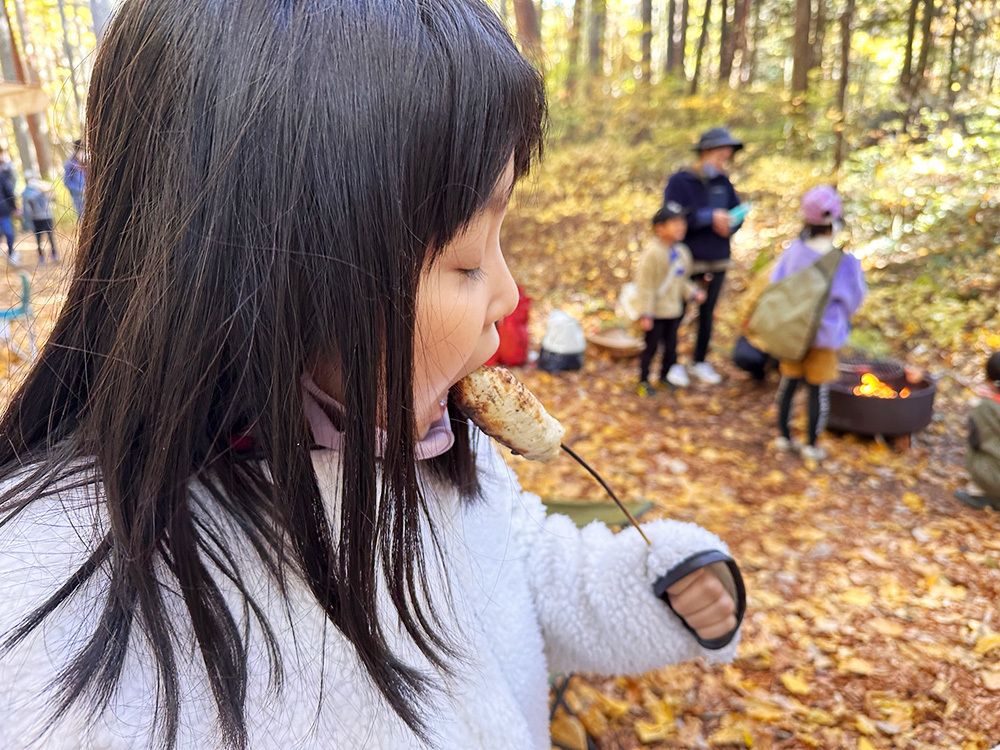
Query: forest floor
[872, 618]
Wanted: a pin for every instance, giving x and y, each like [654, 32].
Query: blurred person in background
[707, 195]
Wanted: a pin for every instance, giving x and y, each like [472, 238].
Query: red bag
[514, 342]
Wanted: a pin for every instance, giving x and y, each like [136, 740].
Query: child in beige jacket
[664, 285]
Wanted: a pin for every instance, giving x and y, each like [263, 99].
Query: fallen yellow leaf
[886, 627]
[856, 665]
[991, 680]
[857, 596]
[650, 732]
[612, 707]
[795, 684]
[864, 744]
[568, 731]
[866, 725]
[765, 712]
[987, 643]
[912, 501]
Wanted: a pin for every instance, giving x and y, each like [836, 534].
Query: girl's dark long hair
[267, 179]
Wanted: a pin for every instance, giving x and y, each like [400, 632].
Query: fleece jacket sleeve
[593, 590]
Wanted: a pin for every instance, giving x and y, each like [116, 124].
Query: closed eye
[475, 274]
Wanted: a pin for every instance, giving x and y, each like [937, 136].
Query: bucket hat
[716, 138]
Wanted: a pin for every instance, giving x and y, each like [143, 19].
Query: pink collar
[319, 405]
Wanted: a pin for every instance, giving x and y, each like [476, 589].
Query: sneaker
[706, 373]
[813, 453]
[646, 389]
[784, 445]
[974, 500]
[677, 376]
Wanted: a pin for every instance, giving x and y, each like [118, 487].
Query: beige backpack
[786, 317]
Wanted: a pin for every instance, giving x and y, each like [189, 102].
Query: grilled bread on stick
[505, 410]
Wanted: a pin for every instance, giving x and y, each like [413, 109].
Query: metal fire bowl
[867, 415]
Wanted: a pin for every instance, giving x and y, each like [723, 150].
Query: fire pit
[876, 398]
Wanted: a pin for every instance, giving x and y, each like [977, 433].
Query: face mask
[709, 171]
[838, 226]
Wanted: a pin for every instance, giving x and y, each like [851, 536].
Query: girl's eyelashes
[474, 274]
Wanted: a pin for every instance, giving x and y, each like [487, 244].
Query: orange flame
[872, 386]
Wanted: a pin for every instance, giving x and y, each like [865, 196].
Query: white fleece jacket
[519, 593]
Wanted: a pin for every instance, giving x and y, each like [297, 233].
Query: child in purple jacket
[823, 214]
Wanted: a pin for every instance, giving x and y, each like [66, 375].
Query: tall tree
[37, 124]
[725, 44]
[702, 41]
[926, 44]
[576, 25]
[749, 61]
[953, 84]
[846, 21]
[70, 59]
[529, 32]
[818, 34]
[677, 33]
[740, 15]
[11, 67]
[598, 22]
[646, 63]
[802, 50]
[911, 32]
[671, 30]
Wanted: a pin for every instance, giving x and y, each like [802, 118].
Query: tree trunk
[846, 21]
[682, 39]
[573, 70]
[10, 64]
[749, 62]
[818, 35]
[725, 45]
[671, 31]
[802, 49]
[740, 15]
[911, 30]
[598, 21]
[70, 61]
[953, 84]
[701, 46]
[926, 43]
[37, 124]
[647, 40]
[529, 34]
[970, 56]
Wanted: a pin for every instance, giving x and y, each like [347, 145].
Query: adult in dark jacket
[705, 191]
[8, 202]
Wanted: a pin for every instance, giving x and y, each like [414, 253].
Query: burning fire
[872, 386]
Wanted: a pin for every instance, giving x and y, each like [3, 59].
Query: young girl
[823, 215]
[237, 508]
